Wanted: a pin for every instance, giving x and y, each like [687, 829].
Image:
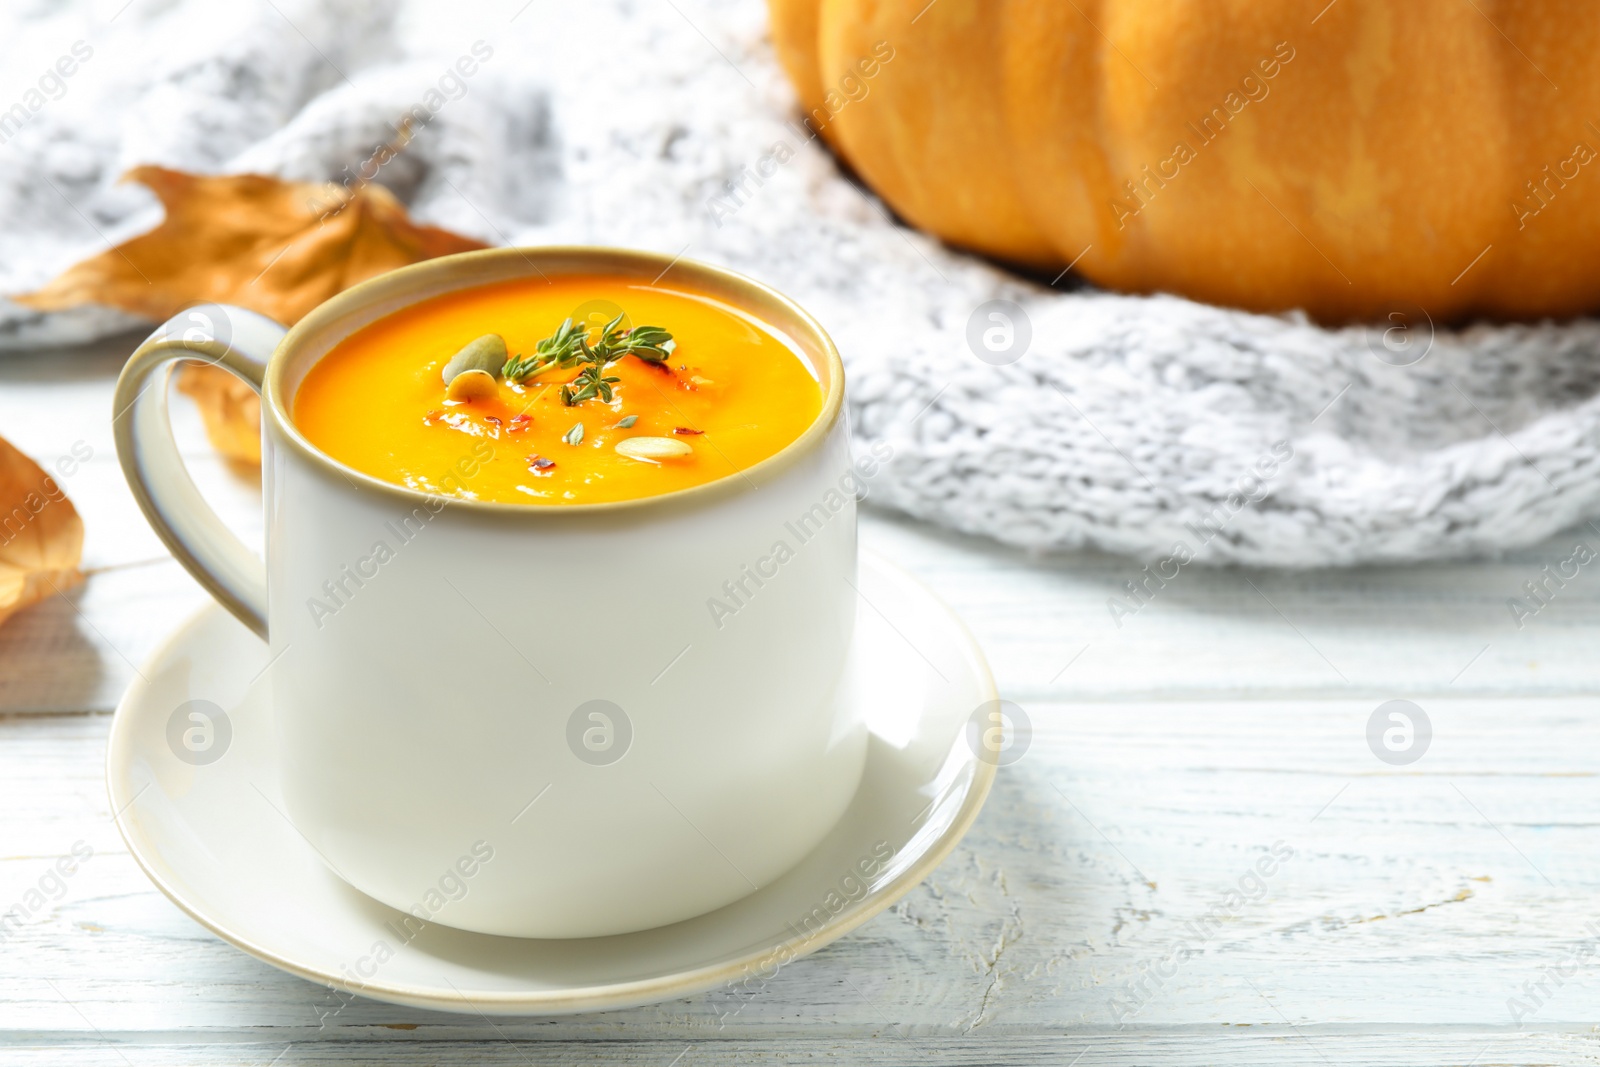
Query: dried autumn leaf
[230, 408]
[41, 535]
[273, 246]
[276, 247]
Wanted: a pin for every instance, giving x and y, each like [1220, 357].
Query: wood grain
[1222, 720]
[1045, 621]
[1422, 897]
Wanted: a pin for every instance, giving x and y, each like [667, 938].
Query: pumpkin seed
[653, 449]
[487, 354]
[471, 384]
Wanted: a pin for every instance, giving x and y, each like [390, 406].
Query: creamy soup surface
[613, 416]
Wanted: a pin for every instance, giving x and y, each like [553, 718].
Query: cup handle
[240, 342]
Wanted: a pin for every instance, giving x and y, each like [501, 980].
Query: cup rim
[756, 298]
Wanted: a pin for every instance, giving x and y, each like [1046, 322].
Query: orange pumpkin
[1352, 157]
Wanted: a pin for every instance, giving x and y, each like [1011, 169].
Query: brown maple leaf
[273, 246]
[41, 535]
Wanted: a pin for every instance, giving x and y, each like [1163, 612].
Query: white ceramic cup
[524, 720]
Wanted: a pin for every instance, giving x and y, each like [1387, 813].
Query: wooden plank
[1420, 903]
[78, 653]
[1045, 620]
[1446, 628]
[1266, 1045]
[1418, 900]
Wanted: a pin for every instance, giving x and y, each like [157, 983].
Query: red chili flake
[540, 463]
[518, 423]
[491, 418]
[686, 431]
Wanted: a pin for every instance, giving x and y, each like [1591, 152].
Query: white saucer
[213, 839]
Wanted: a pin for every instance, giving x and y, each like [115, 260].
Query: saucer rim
[578, 999]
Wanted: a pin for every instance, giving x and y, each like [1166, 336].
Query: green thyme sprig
[570, 346]
[649, 343]
[562, 348]
[590, 382]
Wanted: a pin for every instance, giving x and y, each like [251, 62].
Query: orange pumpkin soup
[577, 390]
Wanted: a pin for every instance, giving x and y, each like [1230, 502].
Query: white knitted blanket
[1153, 427]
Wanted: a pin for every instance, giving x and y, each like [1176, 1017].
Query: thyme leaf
[561, 349]
[570, 346]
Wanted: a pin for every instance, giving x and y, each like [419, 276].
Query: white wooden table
[1421, 904]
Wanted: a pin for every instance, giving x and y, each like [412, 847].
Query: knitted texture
[1152, 427]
